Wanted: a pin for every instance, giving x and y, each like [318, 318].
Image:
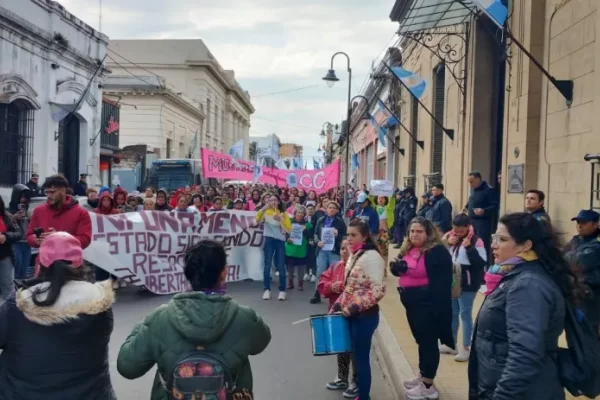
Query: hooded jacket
[15, 199]
[60, 351]
[164, 207]
[126, 207]
[106, 211]
[189, 320]
[70, 218]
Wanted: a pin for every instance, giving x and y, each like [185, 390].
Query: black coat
[483, 197]
[339, 224]
[13, 235]
[440, 213]
[516, 337]
[438, 263]
[57, 352]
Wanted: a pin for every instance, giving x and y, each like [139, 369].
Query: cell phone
[38, 232]
[20, 206]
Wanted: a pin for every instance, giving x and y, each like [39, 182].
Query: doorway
[68, 148]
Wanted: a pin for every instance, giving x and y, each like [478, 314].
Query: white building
[152, 114]
[47, 60]
[190, 68]
[267, 148]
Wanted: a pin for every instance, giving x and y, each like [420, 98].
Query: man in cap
[584, 252]
[81, 187]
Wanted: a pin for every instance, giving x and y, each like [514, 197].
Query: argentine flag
[257, 171]
[355, 162]
[381, 133]
[414, 82]
[494, 9]
[391, 120]
[316, 164]
[236, 151]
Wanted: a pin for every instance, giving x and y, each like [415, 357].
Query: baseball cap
[238, 200]
[362, 197]
[587, 216]
[61, 246]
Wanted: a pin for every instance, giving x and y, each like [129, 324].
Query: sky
[272, 45]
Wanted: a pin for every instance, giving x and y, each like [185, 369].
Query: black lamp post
[331, 79]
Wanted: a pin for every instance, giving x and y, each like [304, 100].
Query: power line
[132, 74]
[285, 91]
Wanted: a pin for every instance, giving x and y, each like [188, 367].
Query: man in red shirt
[61, 213]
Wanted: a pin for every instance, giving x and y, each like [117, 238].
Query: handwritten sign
[148, 248]
[382, 188]
[328, 239]
[296, 234]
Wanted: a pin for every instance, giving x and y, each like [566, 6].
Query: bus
[175, 173]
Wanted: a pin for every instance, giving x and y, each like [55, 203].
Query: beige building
[155, 115]
[290, 150]
[191, 69]
[504, 114]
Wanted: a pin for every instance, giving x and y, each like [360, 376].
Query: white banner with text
[148, 248]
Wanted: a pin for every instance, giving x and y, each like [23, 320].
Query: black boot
[316, 299]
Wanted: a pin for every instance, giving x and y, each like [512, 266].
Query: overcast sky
[272, 45]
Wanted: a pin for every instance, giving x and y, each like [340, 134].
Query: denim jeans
[362, 329]
[463, 307]
[274, 248]
[324, 260]
[22, 259]
[7, 275]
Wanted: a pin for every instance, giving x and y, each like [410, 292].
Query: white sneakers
[463, 355]
[267, 295]
[416, 390]
[447, 350]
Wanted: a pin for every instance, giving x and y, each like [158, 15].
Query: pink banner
[220, 166]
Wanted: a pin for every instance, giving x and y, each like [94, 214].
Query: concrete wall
[552, 136]
[27, 51]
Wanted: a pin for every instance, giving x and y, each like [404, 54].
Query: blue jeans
[324, 260]
[362, 329]
[22, 259]
[274, 248]
[463, 306]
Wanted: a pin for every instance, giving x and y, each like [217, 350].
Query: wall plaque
[516, 176]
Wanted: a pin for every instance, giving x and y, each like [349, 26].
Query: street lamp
[331, 79]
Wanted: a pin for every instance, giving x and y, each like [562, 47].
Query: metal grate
[410, 181]
[438, 111]
[16, 137]
[109, 110]
[414, 128]
[432, 179]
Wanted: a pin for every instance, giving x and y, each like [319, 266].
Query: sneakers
[463, 355]
[282, 296]
[338, 384]
[447, 350]
[412, 383]
[421, 392]
[351, 392]
[306, 277]
[313, 278]
[267, 295]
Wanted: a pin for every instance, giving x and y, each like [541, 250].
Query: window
[208, 118]
[16, 137]
[370, 164]
[439, 91]
[169, 148]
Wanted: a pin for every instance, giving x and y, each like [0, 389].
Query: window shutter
[438, 111]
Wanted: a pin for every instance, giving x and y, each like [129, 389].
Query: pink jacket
[334, 274]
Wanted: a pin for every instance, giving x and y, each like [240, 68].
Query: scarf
[496, 272]
[220, 291]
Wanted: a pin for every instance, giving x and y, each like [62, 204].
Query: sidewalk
[396, 350]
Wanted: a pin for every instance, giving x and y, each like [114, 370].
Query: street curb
[391, 358]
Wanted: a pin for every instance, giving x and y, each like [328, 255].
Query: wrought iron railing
[16, 139]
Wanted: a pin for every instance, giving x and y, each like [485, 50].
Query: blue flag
[391, 120]
[355, 164]
[414, 82]
[495, 10]
[381, 131]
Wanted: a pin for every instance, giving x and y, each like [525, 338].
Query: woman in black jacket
[54, 331]
[9, 235]
[515, 340]
[424, 266]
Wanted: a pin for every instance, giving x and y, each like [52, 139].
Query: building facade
[290, 150]
[51, 64]
[499, 113]
[266, 148]
[109, 139]
[156, 116]
[190, 68]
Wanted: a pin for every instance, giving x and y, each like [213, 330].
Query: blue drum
[330, 334]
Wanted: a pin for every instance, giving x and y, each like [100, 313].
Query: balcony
[109, 134]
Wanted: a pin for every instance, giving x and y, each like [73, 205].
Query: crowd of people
[445, 258]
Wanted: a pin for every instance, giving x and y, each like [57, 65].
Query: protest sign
[382, 188]
[296, 234]
[148, 248]
[220, 166]
[328, 239]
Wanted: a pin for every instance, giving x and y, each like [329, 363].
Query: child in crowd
[296, 255]
[311, 262]
[331, 285]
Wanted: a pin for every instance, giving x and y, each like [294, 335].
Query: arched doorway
[16, 139]
[68, 148]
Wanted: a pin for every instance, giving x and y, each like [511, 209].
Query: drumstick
[301, 321]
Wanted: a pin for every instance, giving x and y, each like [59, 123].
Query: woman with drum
[363, 289]
[424, 267]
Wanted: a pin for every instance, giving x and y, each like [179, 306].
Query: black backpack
[579, 364]
[199, 373]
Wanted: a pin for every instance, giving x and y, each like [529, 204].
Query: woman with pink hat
[55, 330]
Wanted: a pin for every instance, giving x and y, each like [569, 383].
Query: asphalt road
[286, 370]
